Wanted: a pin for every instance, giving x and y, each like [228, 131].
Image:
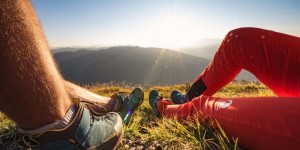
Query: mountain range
[137, 65]
[150, 66]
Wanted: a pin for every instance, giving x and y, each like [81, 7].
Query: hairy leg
[76, 91]
[31, 86]
[32, 91]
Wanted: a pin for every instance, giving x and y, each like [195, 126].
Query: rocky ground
[7, 142]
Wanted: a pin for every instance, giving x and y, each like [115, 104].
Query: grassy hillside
[145, 131]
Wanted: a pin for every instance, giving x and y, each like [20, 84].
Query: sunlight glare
[173, 32]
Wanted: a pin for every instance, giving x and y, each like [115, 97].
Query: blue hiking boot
[178, 97]
[195, 90]
[129, 103]
[154, 97]
[88, 130]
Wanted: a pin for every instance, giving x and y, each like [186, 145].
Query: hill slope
[133, 64]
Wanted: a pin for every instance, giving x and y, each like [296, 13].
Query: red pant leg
[259, 123]
[274, 58]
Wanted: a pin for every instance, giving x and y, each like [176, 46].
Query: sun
[173, 32]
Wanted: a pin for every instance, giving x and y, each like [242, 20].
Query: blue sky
[159, 23]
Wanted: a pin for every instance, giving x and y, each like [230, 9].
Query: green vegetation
[147, 131]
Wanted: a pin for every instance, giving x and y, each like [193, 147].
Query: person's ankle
[61, 123]
[196, 89]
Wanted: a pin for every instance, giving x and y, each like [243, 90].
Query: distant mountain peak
[133, 64]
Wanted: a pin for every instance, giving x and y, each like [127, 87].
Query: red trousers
[257, 122]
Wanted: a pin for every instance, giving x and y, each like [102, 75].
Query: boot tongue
[117, 105]
[119, 98]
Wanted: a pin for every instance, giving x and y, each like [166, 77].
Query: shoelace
[160, 97]
[188, 86]
[25, 141]
[125, 96]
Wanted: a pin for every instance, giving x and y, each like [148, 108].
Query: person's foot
[154, 97]
[178, 97]
[88, 130]
[195, 90]
[129, 103]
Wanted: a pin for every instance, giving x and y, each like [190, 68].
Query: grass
[6, 125]
[145, 131]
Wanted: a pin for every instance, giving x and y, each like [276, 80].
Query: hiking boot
[88, 130]
[195, 90]
[129, 103]
[178, 97]
[154, 97]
